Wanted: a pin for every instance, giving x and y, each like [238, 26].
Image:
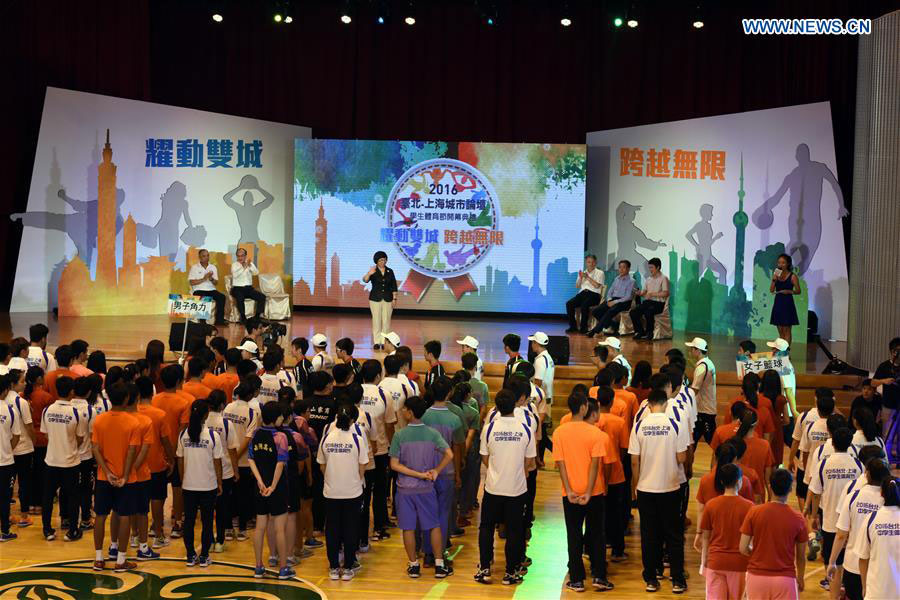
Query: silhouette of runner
[804, 184]
[630, 237]
[80, 226]
[248, 213]
[703, 244]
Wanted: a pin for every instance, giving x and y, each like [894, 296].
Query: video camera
[272, 332]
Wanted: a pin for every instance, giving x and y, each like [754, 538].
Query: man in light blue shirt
[618, 299]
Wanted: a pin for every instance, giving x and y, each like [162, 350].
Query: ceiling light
[632, 23]
[410, 20]
[345, 19]
[565, 21]
[217, 17]
[698, 24]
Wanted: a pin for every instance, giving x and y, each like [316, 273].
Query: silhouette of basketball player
[630, 237]
[248, 213]
[80, 226]
[804, 184]
[703, 244]
[166, 232]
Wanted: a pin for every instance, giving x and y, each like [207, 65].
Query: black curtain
[449, 77]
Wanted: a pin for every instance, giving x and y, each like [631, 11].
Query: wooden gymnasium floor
[383, 573]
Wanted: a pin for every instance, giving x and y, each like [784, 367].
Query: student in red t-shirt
[39, 399]
[761, 405]
[779, 535]
[758, 455]
[721, 561]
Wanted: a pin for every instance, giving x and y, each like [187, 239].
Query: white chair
[231, 312]
[278, 304]
[626, 327]
[662, 324]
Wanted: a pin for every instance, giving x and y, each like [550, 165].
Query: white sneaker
[347, 574]
[134, 542]
[334, 574]
[161, 542]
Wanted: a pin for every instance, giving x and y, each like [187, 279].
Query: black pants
[87, 472]
[531, 481]
[605, 315]
[219, 297]
[578, 516]
[223, 509]
[705, 427]
[380, 491]
[366, 504]
[64, 479]
[341, 524]
[244, 497]
[318, 503]
[508, 511]
[626, 497]
[248, 292]
[7, 472]
[205, 502]
[853, 586]
[546, 441]
[585, 299]
[615, 525]
[648, 309]
[37, 475]
[24, 468]
[661, 524]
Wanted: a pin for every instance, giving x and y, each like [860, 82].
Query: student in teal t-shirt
[471, 474]
[446, 486]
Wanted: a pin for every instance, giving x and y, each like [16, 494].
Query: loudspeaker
[195, 331]
[558, 349]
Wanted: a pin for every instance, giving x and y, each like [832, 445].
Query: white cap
[540, 337]
[249, 346]
[612, 342]
[779, 344]
[392, 338]
[319, 340]
[17, 362]
[698, 343]
[468, 341]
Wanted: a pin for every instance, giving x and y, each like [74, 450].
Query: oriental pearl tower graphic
[536, 244]
[737, 307]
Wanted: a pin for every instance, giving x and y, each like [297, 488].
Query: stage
[124, 338]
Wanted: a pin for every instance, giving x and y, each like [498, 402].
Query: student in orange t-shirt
[39, 399]
[160, 458]
[619, 407]
[618, 496]
[116, 439]
[726, 454]
[230, 379]
[758, 455]
[142, 465]
[779, 535]
[197, 369]
[640, 380]
[176, 404]
[721, 562]
[761, 405]
[579, 449]
[727, 430]
[63, 357]
[620, 377]
[770, 388]
[759, 486]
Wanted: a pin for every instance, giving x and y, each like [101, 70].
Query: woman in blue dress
[784, 285]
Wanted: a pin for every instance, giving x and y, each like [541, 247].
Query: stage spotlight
[410, 20]
[278, 18]
[345, 19]
[565, 21]
[632, 23]
[698, 24]
[217, 17]
[618, 21]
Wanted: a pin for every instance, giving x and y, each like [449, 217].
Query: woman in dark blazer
[382, 297]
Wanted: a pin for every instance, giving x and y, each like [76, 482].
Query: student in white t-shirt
[24, 451]
[815, 434]
[543, 363]
[245, 419]
[828, 485]
[228, 434]
[856, 504]
[794, 460]
[87, 390]
[271, 382]
[321, 361]
[10, 434]
[658, 447]
[879, 548]
[65, 430]
[200, 452]
[470, 344]
[614, 354]
[37, 351]
[379, 413]
[704, 384]
[507, 450]
[867, 430]
[343, 453]
[395, 391]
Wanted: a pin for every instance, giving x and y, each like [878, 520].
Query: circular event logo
[442, 214]
[164, 579]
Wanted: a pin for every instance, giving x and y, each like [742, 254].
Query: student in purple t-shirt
[418, 454]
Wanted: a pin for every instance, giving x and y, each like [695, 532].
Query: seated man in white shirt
[242, 273]
[591, 289]
[653, 301]
[203, 278]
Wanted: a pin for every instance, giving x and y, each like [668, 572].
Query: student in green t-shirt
[479, 388]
